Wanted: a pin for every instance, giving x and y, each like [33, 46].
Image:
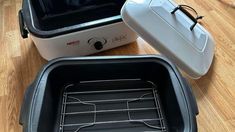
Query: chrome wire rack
[109, 105]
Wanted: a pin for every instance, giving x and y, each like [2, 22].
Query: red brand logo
[73, 43]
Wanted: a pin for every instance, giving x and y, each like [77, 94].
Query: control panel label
[119, 38]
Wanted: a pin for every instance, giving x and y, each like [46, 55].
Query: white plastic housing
[76, 43]
[170, 34]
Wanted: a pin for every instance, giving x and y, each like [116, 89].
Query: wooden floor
[215, 92]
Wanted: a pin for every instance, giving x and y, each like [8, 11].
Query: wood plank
[215, 92]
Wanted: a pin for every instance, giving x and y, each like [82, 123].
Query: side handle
[191, 97]
[23, 31]
[25, 107]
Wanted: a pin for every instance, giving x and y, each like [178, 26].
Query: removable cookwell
[128, 105]
[115, 94]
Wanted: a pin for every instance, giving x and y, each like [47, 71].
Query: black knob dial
[98, 45]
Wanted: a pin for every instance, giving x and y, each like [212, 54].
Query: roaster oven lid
[173, 31]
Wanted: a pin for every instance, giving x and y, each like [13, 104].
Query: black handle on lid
[23, 31]
[195, 20]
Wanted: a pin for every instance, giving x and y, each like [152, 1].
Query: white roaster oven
[61, 28]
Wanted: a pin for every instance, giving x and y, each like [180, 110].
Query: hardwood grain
[215, 92]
